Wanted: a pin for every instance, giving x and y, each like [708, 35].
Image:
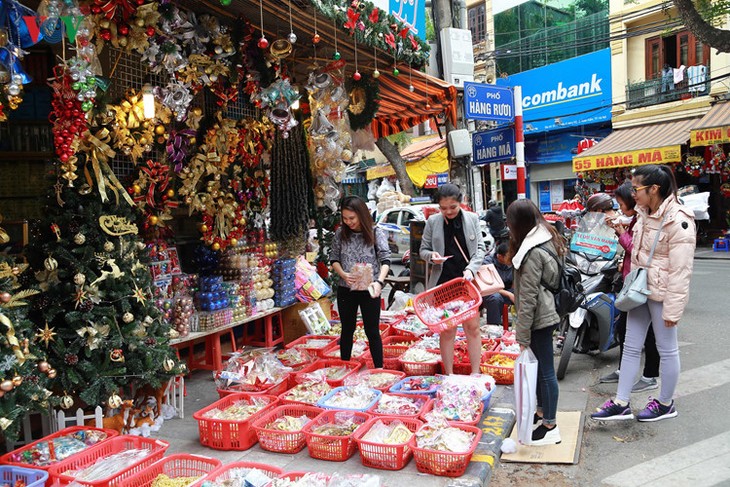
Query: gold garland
[131, 132]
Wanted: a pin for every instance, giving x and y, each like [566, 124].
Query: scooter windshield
[594, 239]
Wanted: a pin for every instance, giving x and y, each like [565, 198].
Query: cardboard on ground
[567, 451]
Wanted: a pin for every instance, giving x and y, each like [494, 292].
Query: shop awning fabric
[435, 163]
[401, 108]
[713, 128]
[647, 144]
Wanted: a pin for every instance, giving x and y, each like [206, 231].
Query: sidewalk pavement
[706, 253]
[496, 424]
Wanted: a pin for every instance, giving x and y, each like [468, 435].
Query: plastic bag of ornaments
[251, 370]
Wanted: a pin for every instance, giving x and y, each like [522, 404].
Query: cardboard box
[292, 323]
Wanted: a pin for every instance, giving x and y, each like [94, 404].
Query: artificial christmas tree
[24, 371]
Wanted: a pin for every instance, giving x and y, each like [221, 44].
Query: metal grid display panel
[242, 108]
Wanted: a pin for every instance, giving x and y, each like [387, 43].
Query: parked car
[396, 221]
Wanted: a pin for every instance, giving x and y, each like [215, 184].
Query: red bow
[374, 15]
[352, 18]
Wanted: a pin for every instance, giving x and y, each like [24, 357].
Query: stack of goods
[251, 370]
[460, 399]
[357, 398]
[418, 385]
[283, 273]
[182, 314]
[399, 405]
[57, 447]
[226, 424]
[294, 357]
[411, 326]
[380, 379]
[242, 474]
[234, 293]
[385, 442]
[436, 314]
[443, 449]
[262, 283]
[310, 390]
[329, 435]
[164, 265]
[211, 296]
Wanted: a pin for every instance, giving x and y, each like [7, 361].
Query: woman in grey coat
[535, 248]
[452, 243]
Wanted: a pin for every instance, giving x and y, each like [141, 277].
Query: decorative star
[46, 335]
[80, 296]
[139, 294]
[58, 188]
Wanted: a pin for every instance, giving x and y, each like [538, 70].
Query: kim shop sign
[493, 146]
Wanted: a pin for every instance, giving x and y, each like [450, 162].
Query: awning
[435, 163]
[401, 109]
[713, 128]
[647, 144]
[422, 147]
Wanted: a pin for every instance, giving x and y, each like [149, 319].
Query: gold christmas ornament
[168, 364]
[79, 239]
[6, 385]
[52, 374]
[114, 401]
[43, 366]
[67, 401]
[127, 317]
[45, 335]
[17, 381]
[117, 226]
[108, 246]
[50, 264]
[79, 279]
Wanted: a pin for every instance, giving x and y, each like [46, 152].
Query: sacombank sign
[566, 94]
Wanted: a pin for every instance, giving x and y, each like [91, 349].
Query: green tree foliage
[94, 272]
[23, 367]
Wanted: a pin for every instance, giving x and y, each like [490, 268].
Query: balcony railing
[657, 91]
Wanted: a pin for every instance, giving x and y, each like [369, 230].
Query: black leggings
[347, 303]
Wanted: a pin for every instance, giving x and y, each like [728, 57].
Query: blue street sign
[493, 146]
[488, 102]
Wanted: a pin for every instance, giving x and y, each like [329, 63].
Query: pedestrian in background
[668, 279]
[624, 231]
[535, 248]
[494, 303]
[452, 243]
[357, 240]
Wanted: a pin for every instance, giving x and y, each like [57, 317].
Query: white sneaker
[542, 436]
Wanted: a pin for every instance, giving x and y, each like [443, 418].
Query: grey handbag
[635, 290]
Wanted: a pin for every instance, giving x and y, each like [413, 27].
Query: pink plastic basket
[455, 289]
[174, 466]
[328, 447]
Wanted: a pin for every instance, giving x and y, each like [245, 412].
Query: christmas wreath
[364, 101]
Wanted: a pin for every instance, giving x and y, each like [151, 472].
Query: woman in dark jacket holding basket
[535, 248]
[452, 244]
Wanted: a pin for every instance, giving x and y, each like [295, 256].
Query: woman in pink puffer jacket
[668, 278]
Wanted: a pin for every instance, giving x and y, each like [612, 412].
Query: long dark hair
[360, 208]
[624, 193]
[522, 217]
[660, 175]
[448, 190]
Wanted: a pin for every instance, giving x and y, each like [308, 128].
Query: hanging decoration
[376, 28]
[68, 122]
[364, 97]
[289, 188]
[217, 181]
[277, 100]
[131, 132]
[263, 42]
[154, 196]
[607, 178]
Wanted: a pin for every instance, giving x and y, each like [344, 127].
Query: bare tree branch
[703, 30]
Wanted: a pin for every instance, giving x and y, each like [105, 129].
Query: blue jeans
[494, 304]
[541, 344]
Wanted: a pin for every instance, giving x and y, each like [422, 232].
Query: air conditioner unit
[459, 143]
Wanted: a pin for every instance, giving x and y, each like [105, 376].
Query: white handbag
[635, 290]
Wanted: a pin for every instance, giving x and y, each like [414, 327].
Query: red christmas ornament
[123, 30]
[263, 43]
[316, 38]
[106, 34]
[357, 76]
[150, 31]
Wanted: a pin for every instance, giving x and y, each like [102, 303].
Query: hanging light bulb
[148, 101]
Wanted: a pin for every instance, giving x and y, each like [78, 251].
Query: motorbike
[591, 328]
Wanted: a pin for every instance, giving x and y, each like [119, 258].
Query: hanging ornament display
[263, 42]
[154, 196]
[364, 96]
[277, 100]
[292, 36]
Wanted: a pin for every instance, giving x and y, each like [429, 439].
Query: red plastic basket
[228, 471]
[224, 434]
[283, 441]
[397, 377]
[424, 399]
[118, 444]
[432, 404]
[334, 353]
[274, 390]
[419, 368]
[301, 343]
[174, 466]
[332, 448]
[12, 457]
[464, 368]
[502, 375]
[446, 463]
[320, 364]
[393, 348]
[385, 457]
[455, 289]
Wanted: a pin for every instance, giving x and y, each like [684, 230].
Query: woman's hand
[348, 278]
[619, 228]
[437, 258]
[375, 289]
[468, 275]
[670, 324]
